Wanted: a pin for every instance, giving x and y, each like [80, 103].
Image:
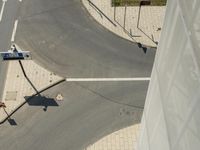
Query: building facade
[171, 119]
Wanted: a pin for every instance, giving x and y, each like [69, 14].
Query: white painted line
[20, 0]
[2, 9]
[14, 31]
[106, 79]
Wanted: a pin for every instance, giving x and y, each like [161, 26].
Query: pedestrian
[2, 105]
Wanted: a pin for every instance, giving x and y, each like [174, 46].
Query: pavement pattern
[124, 139]
[64, 39]
[137, 24]
[18, 87]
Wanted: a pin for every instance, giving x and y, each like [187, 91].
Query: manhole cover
[59, 97]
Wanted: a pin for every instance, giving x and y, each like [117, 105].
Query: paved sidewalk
[17, 86]
[124, 139]
[145, 31]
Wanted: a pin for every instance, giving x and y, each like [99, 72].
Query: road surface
[66, 40]
[8, 15]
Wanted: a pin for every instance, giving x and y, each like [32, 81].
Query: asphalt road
[81, 119]
[9, 15]
[63, 38]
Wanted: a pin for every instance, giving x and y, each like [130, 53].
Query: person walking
[2, 105]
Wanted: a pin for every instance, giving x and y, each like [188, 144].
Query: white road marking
[14, 31]
[2, 9]
[106, 79]
[20, 0]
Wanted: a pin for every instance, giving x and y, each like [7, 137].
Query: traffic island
[18, 86]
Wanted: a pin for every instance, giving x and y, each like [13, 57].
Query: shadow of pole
[125, 15]
[147, 36]
[114, 13]
[10, 120]
[27, 77]
[127, 32]
[94, 6]
[130, 34]
[96, 10]
[138, 19]
[138, 23]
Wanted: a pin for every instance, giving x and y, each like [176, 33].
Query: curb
[25, 101]
[114, 33]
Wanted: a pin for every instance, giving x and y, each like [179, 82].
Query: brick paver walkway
[124, 139]
[17, 86]
[146, 30]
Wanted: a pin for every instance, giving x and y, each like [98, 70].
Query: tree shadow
[41, 101]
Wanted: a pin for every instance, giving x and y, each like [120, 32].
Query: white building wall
[171, 119]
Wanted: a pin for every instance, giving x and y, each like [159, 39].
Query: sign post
[15, 54]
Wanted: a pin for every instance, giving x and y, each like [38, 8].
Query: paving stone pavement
[124, 139]
[17, 86]
[145, 31]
